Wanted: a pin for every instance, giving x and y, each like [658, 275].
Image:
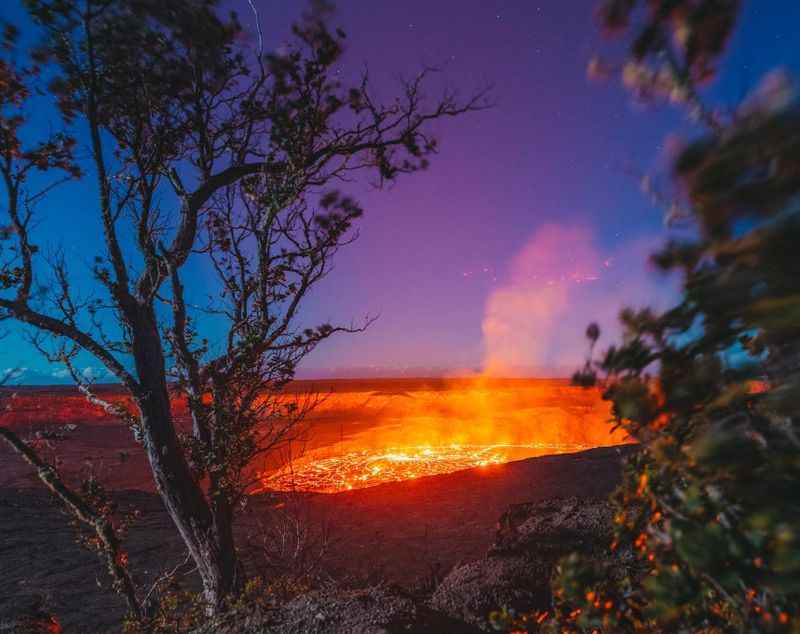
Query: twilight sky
[527, 225]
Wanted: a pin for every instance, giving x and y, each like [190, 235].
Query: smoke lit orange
[416, 428]
[366, 432]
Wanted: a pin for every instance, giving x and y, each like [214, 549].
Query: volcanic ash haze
[557, 284]
[445, 426]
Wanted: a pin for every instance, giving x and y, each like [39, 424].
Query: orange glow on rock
[447, 426]
[364, 433]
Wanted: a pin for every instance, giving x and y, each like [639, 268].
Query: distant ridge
[38, 377]
[391, 372]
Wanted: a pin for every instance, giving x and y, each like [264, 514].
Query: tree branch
[79, 508]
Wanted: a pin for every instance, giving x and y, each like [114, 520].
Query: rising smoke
[557, 284]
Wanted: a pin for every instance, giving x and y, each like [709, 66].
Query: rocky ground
[433, 538]
[515, 573]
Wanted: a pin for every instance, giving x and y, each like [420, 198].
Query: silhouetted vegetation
[201, 149]
[711, 387]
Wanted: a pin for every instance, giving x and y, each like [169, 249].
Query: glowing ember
[366, 468]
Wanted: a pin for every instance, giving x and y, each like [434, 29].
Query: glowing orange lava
[367, 468]
[403, 430]
[366, 432]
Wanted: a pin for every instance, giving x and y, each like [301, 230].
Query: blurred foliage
[711, 387]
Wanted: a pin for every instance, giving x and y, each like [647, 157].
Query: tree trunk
[231, 576]
[205, 528]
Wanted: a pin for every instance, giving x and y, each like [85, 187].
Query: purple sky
[553, 151]
[441, 250]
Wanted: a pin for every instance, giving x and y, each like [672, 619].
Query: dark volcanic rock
[44, 571]
[396, 532]
[472, 591]
[376, 610]
[554, 525]
[516, 572]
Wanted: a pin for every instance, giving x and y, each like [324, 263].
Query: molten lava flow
[366, 468]
[404, 430]
[360, 434]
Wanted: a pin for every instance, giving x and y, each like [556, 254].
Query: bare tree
[203, 152]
